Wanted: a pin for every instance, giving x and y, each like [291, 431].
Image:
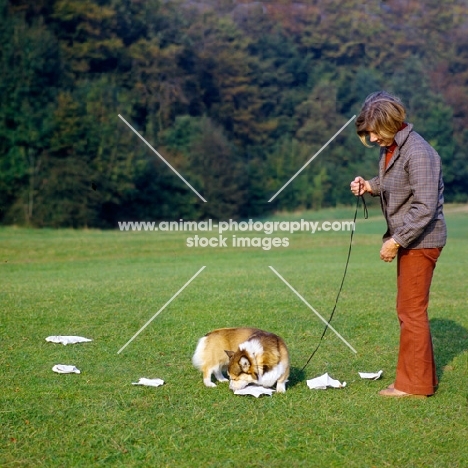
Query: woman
[410, 188]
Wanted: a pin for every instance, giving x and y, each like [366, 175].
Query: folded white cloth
[371, 375]
[324, 381]
[65, 369]
[67, 339]
[149, 382]
[254, 390]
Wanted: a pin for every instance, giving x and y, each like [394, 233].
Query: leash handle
[366, 215]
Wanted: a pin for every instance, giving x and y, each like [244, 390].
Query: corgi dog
[250, 355]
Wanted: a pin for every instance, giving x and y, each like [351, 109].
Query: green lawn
[106, 285]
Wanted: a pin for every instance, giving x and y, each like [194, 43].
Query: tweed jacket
[411, 192]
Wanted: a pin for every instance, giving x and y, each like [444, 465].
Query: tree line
[235, 96]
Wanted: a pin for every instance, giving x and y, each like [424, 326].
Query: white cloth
[67, 339]
[149, 382]
[65, 369]
[324, 381]
[254, 390]
[371, 375]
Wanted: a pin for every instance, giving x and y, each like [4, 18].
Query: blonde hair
[381, 113]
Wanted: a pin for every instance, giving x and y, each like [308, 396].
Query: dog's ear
[244, 364]
[229, 353]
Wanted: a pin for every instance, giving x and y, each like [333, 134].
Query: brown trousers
[416, 371]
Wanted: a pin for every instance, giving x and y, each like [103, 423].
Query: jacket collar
[400, 139]
[402, 135]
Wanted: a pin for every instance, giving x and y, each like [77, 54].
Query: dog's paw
[209, 383]
[222, 379]
[280, 388]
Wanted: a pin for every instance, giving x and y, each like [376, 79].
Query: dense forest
[235, 95]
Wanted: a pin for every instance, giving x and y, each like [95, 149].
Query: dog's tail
[197, 359]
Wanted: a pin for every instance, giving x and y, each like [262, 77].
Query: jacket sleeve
[424, 173]
[375, 186]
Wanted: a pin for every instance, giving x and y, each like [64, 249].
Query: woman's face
[376, 138]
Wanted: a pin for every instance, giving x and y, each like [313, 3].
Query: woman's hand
[389, 250]
[359, 186]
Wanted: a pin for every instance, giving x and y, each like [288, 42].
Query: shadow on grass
[296, 376]
[450, 339]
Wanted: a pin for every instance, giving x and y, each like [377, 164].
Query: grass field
[106, 285]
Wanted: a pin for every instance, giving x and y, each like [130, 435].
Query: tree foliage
[237, 96]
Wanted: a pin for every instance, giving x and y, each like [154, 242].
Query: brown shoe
[393, 392]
